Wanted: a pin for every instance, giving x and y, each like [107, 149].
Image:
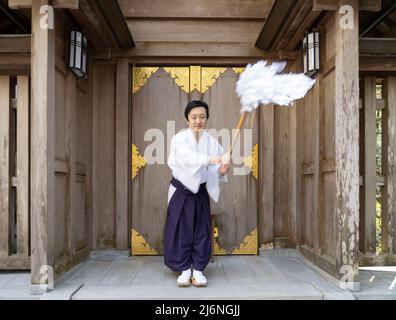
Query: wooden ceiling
[200, 25]
[13, 21]
[380, 24]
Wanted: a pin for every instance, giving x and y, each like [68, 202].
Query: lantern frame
[78, 53]
[311, 53]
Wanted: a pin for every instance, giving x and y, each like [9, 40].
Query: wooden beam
[294, 22]
[57, 4]
[121, 156]
[186, 30]
[377, 46]
[298, 34]
[160, 49]
[20, 23]
[4, 166]
[332, 5]
[14, 262]
[42, 149]
[377, 64]
[278, 15]
[202, 9]
[370, 5]
[104, 24]
[378, 19]
[19, 4]
[347, 148]
[112, 14]
[66, 4]
[15, 43]
[325, 5]
[89, 22]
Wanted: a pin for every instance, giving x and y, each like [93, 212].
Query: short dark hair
[195, 104]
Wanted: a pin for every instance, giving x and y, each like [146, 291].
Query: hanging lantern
[78, 53]
[311, 61]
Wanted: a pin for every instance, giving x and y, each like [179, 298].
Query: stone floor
[277, 274]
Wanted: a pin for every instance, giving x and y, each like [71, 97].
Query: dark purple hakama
[187, 237]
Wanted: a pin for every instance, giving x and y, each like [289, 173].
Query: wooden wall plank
[121, 156]
[347, 143]
[293, 178]
[266, 174]
[327, 166]
[42, 146]
[69, 147]
[23, 231]
[389, 170]
[103, 159]
[370, 176]
[4, 165]
[15, 262]
[318, 226]
[281, 172]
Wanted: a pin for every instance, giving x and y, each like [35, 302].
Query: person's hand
[223, 169]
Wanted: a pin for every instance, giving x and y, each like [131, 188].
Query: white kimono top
[189, 162]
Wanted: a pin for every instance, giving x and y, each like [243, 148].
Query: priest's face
[197, 119]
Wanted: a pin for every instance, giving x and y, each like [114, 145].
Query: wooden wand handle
[238, 130]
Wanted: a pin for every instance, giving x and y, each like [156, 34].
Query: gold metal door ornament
[138, 161]
[251, 161]
[249, 245]
[140, 246]
[187, 78]
[140, 76]
[195, 77]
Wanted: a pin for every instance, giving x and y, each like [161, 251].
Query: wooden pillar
[347, 146]
[389, 167]
[370, 176]
[4, 165]
[122, 152]
[42, 151]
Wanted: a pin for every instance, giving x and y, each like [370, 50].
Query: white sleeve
[218, 151]
[183, 156]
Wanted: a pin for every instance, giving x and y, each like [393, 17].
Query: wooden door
[159, 97]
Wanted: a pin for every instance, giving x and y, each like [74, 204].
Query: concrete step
[267, 292]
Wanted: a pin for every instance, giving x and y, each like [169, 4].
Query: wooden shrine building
[73, 175]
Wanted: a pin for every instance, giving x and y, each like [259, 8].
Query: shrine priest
[198, 165]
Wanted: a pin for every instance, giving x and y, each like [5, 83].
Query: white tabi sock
[199, 277]
[185, 276]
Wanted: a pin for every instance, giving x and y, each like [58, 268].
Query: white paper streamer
[262, 84]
